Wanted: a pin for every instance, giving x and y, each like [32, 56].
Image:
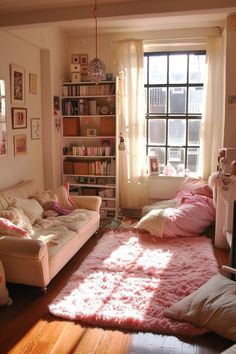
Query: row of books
[91, 150]
[87, 90]
[78, 107]
[106, 168]
[74, 107]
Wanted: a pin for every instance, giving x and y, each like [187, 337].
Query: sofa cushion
[7, 228]
[17, 217]
[63, 197]
[31, 208]
[22, 190]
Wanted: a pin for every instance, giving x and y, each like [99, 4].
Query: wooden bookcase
[90, 141]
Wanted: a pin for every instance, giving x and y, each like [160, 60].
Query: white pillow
[212, 306]
[31, 208]
[154, 221]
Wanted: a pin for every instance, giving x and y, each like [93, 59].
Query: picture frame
[91, 132]
[19, 118]
[75, 59]
[3, 139]
[153, 165]
[84, 69]
[35, 128]
[20, 144]
[83, 59]
[17, 74]
[109, 77]
[33, 84]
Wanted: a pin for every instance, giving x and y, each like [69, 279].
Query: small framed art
[35, 128]
[153, 165]
[91, 132]
[33, 84]
[83, 59]
[19, 118]
[20, 144]
[3, 138]
[75, 58]
[17, 84]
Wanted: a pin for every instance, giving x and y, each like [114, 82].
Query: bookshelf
[90, 141]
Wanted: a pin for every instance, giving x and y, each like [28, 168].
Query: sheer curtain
[213, 118]
[132, 161]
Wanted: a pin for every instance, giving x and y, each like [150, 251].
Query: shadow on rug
[130, 278]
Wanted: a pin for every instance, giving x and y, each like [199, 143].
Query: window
[174, 102]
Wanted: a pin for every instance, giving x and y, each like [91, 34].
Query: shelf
[89, 176]
[93, 185]
[89, 137]
[87, 96]
[106, 208]
[90, 157]
[87, 82]
[93, 109]
[88, 115]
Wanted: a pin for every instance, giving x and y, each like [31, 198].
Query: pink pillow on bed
[191, 218]
[7, 228]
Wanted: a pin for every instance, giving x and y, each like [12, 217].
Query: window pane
[176, 159]
[193, 160]
[177, 100]
[161, 155]
[157, 100]
[176, 132]
[145, 98]
[158, 69]
[194, 132]
[157, 131]
[195, 99]
[145, 70]
[178, 69]
[196, 68]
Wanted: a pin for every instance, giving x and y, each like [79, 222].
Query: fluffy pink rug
[130, 278]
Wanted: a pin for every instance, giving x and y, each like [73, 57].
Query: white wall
[16, 168]
[51, 44]
[230, 84]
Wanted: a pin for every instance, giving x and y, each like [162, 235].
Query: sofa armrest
[19, 247]
[25, 261]
[87, 202]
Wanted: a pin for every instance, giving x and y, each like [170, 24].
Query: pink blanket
[191, 217]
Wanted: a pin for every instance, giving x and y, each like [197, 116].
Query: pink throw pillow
[7, 228]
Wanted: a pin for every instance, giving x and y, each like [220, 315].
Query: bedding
[188, 214]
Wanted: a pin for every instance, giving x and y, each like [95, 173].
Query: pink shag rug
[130, 278]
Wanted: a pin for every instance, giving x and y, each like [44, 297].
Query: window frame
[168, 116]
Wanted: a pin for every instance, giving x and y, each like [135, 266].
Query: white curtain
[213, 118]
[132, 161]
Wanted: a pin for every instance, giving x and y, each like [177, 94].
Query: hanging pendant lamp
[96, 67]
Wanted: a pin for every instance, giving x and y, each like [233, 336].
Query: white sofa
[36, 260]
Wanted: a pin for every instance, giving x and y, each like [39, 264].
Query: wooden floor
[27, 326]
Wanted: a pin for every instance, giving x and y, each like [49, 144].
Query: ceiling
[76, 16]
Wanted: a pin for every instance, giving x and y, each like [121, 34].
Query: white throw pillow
[31, 208]
[212, 306]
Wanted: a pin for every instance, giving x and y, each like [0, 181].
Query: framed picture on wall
[153, 165]
[20, 144]
[3, 138]
[35, 128]
[17, 73]
[83, 59]
[33, 84]
[19, 118]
